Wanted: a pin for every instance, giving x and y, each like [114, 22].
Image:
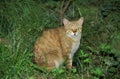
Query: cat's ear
[65, 21]
[80, 21]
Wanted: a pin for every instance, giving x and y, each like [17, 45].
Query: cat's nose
[74, 31]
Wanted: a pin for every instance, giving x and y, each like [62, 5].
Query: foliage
[102, 63]
[22, 21]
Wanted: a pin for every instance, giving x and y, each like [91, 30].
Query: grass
[21, 22]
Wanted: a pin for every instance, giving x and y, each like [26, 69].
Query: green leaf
[74, 70]
[96, 78]
[58, 71]
[98, 71]
[105, 47]
[87, 60]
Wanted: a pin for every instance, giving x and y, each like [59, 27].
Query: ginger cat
[58, 45]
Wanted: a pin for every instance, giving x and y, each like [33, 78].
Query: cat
[58, 45]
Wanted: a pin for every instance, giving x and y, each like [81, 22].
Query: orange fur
[59, 44]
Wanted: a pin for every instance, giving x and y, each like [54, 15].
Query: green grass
[21, 22]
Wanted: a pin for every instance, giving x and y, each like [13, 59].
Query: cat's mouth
[74, 35]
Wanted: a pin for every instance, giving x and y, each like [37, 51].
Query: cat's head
[73, 28]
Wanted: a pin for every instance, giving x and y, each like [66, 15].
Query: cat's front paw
[72, 67]
[69, 66]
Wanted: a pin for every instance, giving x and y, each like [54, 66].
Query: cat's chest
[75, 46]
